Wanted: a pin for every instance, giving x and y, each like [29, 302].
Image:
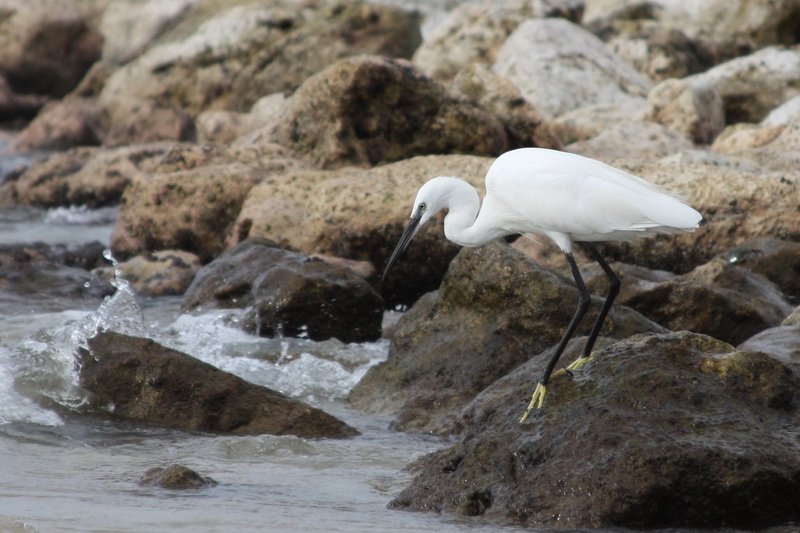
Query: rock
[192, 199]
[777, 260]
[498, 96]
[315, 212]
[592, 120]
[189, 210]
[694, 109]
[772, 147]
[782, 343]
[495, 310]
[86, 176]
[784, 114]
[252, 50]
[737, 204]
[176, 477]
[369, 110]
[46, 46]
[32, 276]
[138, 379]
[658, 431]
[474, 32]
[162, 273]
[558, 67]
[632, 139]
[753, 85]
[62, 124]
[130, 26]
[288, 294]
[14, 106]
[151, 122]
[758, 22]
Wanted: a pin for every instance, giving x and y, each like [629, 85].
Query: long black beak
[402, 244]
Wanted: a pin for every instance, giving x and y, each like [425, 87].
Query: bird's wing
[586, 206]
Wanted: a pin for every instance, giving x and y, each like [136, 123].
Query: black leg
[613, 290]
[583, 306]
[537, 399]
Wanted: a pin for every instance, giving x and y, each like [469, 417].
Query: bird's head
[431, 198]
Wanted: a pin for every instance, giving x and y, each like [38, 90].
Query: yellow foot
[575, 365]
[537, 400]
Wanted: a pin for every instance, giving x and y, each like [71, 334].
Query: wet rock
[498, 96]
[85, 176]
[138, 379]
[658, 431]
[192, 199]
[369, 110]
[495, 310]
[474, 32]
[634, 139]
[162, 273]
[175, 476]
[46, 46]
[777, 260]
[38, 276]
[694, 109]
[753, 85]
[782, 343]
[62, 124]
[718, 299]
[290, 294]
[251, 50]
[559, 66]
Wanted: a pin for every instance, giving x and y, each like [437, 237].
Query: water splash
[43, 367]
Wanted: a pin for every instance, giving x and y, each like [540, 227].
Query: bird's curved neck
[461, 223]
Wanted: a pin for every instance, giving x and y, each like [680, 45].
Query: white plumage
[566, 197]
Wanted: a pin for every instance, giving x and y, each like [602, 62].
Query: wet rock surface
[176, 477]
[495, 310]
[674, 430]
[288, 294]
[137, 379]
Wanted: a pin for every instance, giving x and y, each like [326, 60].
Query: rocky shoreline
[264, 155]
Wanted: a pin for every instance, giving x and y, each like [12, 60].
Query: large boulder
[368, 110]
[658, 431]
[252, 50]
[559, 66]
[474, 32]
[692, 108]
[46, 46]
[142, 380]
[62, 124]
[495, 310]
[288, 294]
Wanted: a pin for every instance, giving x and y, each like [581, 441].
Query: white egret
[566, 197]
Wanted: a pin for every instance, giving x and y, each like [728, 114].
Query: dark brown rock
[290, 294]
[162, 273]
[145, 381]
[496, 309]
[659, 431]
[368, 110]
[777, 260]
[177, 477]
